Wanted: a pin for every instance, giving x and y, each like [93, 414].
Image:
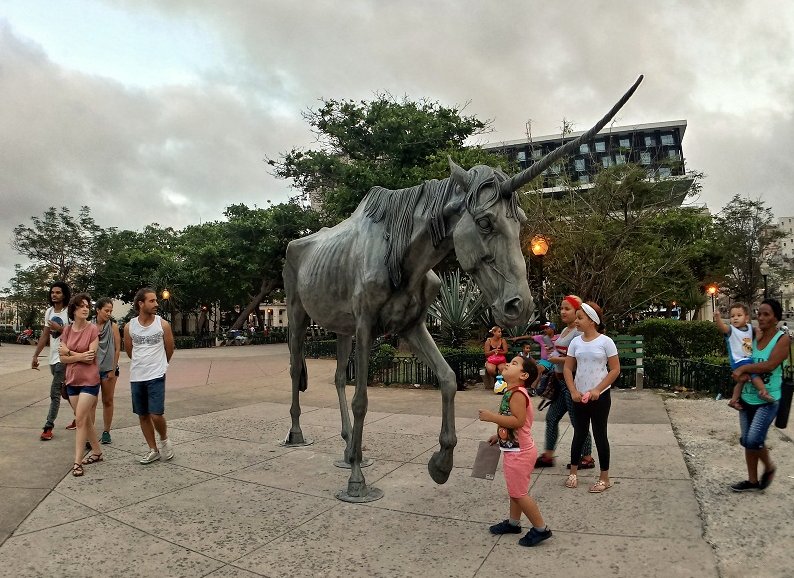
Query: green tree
[625, 243]
[386, 142]
[749, 234]
[28, 291]
[65, 245]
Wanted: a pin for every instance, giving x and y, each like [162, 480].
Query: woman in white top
[594, 358]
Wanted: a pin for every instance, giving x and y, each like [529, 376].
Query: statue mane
[396, 209]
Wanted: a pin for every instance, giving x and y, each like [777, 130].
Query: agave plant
[458, 306]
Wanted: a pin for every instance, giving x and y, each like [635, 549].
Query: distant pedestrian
[55, 319]
[514, 436]
[770, 351]
[149, 343]
[108, 359]
[739, 340]
[495, 349]
[593, 357]
[79, 343]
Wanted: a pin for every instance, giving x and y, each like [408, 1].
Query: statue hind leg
[344, 345]
[298, 322]
[357, 489]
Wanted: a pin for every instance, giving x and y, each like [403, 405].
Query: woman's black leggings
[596, 412]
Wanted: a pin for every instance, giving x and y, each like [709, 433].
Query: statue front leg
[423, 346]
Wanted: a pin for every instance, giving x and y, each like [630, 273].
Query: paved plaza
[234, 503]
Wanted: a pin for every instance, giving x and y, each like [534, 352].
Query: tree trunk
[267, 286]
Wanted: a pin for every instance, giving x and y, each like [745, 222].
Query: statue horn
[507, 187]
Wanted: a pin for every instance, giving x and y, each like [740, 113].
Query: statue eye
[485, 225]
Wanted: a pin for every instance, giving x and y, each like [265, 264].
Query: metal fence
[663, 372]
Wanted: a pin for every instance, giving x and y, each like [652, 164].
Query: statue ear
[458, 174]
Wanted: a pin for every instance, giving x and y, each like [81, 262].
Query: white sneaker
[167, 449]
[152, 456]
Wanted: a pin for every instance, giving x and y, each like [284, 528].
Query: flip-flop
[600, 486]
[92, 459]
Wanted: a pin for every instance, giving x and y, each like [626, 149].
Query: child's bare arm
[720, 323]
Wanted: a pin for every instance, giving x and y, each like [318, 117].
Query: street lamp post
[764, 273]
[712, 290]
[540, 246]
[166, 295]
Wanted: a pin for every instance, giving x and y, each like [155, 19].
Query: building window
[673, 155]
[620, 159]
[579, 164]
[606, 161]
[536, 153]
[645, 158]
[600, 146]
[625, 143]
[664, 172]
[650, 141]
[667, 139]
[521, 157]
[584, 179]
[584, 148]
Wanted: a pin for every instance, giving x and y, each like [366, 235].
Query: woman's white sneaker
[152, 456]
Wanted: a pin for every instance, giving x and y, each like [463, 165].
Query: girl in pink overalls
[514, 421]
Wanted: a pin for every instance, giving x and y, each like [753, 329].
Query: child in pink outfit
[514, 437]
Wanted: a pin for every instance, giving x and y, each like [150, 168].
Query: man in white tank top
[149, 344]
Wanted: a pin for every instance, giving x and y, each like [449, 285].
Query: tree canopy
[386, 142]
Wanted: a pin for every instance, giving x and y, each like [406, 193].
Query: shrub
[184, 342]
[381, 357]
[679, 339]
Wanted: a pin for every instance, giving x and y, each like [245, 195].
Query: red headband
[574, 302]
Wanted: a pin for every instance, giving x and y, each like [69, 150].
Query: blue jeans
[148, 397]
[755, 421]
[58, 371]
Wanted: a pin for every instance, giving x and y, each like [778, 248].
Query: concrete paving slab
[116, 549]
[107, 486]
[586, 555]
[223, 518]
[308, 472]
[417, 424]
[217, 455]
[410, 489]
[16, 509]
[231, 572]
[641, 462]
[465, 454]
[352, 540]
[382, 445]
[648, 508]
[55, 510]
[130, 439]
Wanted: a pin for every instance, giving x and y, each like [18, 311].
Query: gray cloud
[181, 152]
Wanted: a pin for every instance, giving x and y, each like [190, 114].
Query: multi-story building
[655, 146]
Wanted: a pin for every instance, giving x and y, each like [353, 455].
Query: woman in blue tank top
[769, 352]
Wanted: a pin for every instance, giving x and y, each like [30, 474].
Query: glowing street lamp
[539, 247]
[712, 290]
[166, 295]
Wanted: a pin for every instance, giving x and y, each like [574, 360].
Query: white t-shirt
[591, 360]
[148, 350]
[62, 318]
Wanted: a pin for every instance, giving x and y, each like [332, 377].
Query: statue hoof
[439, 468]
[357, 489]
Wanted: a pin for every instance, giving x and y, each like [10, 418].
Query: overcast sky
[163, 111]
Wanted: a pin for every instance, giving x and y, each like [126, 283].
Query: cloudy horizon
[165, 112]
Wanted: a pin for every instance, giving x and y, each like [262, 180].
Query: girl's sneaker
[534, 537]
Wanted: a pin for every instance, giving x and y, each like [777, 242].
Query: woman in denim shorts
[756, 415]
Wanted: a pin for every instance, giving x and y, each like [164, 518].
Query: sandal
[600, 486]
[571, 482]
[585, 464]
[543, 462]
[77, 470]
[92, 459]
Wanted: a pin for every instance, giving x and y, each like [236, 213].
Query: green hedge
[679, 339]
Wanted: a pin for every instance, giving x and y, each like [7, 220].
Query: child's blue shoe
[505, 527]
